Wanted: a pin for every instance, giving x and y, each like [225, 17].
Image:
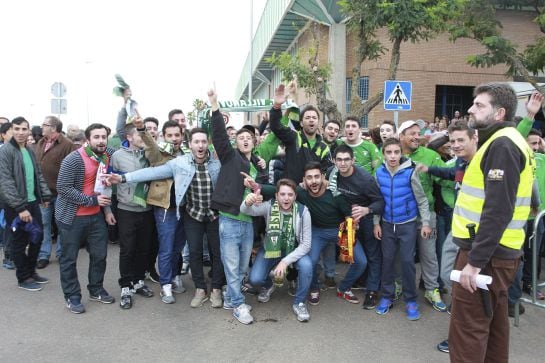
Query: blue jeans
[259, 276]
[322, 239]
[372, 249]
[171, 235]
[236, 242]
[402, 238]
[47, 219]
[355, 270]
[515, 290]
[93, 230]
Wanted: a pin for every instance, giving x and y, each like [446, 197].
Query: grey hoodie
[418, 191]
[126, 160]
[302, 226]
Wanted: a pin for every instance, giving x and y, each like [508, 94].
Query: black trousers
[195, 231]
[135, 233]
[24, 258]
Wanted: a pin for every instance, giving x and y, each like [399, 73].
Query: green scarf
[280, 238]
[333, 181]
[104, 159]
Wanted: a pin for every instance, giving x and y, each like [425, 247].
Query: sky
[170, 53]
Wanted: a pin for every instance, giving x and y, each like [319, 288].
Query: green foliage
[309, 77]
[478, 22]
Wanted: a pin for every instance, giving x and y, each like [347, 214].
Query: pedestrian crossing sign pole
[397, 97]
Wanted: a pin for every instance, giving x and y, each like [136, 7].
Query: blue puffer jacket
[401, 205]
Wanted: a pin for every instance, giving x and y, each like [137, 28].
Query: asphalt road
[36, 326]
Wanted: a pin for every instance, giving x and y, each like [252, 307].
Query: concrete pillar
[337, 59]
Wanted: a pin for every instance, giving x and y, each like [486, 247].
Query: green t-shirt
[29, 175]
[366, 155]
[241, 216]
[326, 211]
[428, 157]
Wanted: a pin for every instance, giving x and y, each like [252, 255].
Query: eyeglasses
[343, 160]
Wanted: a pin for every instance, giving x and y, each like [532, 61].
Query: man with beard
[301, 146]
[80, 220]
[495, 196]
[330, 135]
[196, 175]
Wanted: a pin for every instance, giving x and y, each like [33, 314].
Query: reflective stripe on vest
[470, 201]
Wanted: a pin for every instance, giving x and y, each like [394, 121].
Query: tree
[198, 106]
[312, 76]
[479, 22]
[404, 20]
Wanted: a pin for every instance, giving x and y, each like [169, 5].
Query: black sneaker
[102, 296]
[39, 279]
[247, 288]
[126, 298]
[154, 276]
[371, 300]
[443, 346]
[42, 263]
[511, 310]
[330, 283]
[142, 290]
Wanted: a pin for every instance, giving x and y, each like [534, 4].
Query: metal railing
[535, 285]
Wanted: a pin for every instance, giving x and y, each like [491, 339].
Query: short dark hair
[55, 123]
[96, 126]
[332, 122]
[19, 120]
[287, 182]
[534, 132]
[461, 125]
[390, 141]
[352, 118]
[197, 130]
[343, 148]
[174, 112]
[151, 119]
[311, 165]
[229, 128]
[168, 124]
[389, 122]
[5, 127]
[501, 95]
[244, 129]
[309, 108]
[4, 118]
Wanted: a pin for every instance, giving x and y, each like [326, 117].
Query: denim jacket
[182, 169]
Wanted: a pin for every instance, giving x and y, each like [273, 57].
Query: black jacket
[230, 185]
[297, 156]
[13, 191]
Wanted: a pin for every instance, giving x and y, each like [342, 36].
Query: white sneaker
[242, 314]
[166, 294]
[177, 285]
[301, 311]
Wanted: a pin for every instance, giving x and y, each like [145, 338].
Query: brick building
[442, 80]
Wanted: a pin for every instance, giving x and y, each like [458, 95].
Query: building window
[363, 92]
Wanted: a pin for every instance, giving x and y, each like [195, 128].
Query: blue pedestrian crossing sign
[397, 95]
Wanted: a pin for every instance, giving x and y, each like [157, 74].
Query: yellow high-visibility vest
[470, 201]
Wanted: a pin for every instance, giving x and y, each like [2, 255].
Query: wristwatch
[123, 179]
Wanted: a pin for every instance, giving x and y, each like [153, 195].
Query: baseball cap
[405, 125]
[249, 128]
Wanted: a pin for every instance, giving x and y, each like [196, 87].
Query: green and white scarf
[280, 232]
[332, 185]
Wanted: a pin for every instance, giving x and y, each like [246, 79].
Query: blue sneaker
[412, 311]
[8, 264]
[383, 306]
[74, 305]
